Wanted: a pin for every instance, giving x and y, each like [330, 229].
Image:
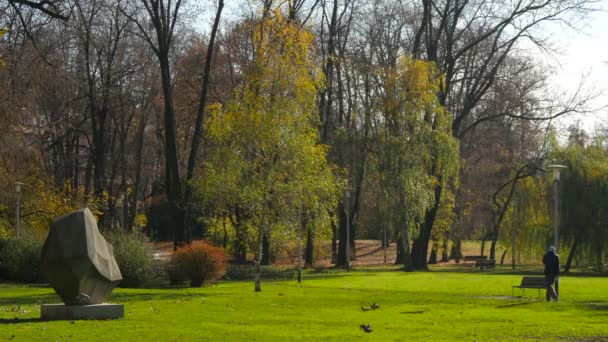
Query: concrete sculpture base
[61, 312]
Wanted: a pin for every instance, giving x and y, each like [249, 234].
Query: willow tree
[414, 136]
[263, 144]
[585, 199]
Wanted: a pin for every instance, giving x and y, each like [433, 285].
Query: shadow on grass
[516, 304]
[600, 305]
[147, 296]
[19, 320]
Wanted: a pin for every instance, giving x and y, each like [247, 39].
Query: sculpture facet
[78, 262]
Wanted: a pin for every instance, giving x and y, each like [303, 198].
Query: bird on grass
[366, 328]
[374, 306]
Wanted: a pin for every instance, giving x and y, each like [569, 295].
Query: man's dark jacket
[551, 261]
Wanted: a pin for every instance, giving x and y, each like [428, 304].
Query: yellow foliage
[265, 154]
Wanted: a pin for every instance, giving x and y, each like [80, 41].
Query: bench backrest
[533, 281]
[475, 257]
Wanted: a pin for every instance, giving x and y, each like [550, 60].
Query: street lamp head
[347, 193]
[18, 186]
[556, 169]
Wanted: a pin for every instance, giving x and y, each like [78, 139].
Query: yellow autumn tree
[265, 164]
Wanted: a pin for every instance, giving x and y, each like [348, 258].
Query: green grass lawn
[429, 306]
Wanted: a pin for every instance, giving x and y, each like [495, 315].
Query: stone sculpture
[78, 262]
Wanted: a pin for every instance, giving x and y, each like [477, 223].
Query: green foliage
[528, 219]
[4, 228]
[41, 202]
[585, 201]
[20, 260]
[200, 262]
[264, 155]
[416, 151]
[133, 258]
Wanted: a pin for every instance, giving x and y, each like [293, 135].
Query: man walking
[551, 261]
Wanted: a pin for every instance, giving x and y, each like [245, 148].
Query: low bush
[20, 260]
[133, 257]
[199, 263]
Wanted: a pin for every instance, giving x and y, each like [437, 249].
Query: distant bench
[474, 257]
[530, 283]
[480, 260]
[485, 263]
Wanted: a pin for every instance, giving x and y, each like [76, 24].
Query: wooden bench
[489, 263]
[474, 257]
[530, 283]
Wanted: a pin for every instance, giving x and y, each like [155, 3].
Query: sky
[584, 56]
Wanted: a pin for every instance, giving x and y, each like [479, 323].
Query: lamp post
[346, 210]
[18, 208]
[556, 169]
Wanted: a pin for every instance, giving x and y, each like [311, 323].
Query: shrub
[199, 263]
[20, 260]
[133, 258]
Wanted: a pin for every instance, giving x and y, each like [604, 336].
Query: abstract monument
[79, 264]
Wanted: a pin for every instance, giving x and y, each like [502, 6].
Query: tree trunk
[407, 262]
[444, 250]
[88, 174]
[502, 258]
[173, 182]
[334, 242]
[456, 251]
[198, 135]
[483, 246]
[309, 256]
[240, 244]
[571, 256]
[433, 256]
[265, 259]
[421, 243]
[493, 249]
[99, 152]
[138, 166]
[76, 170]
[225, 237]
[341, 260]
[258, 269]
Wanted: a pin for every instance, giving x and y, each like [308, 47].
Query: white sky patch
[584, 58]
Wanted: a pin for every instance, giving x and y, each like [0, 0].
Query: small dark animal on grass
[375, 306]
[366, 328]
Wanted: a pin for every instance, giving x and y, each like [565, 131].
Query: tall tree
[469, 42]
[163, 15]
[264, 142]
